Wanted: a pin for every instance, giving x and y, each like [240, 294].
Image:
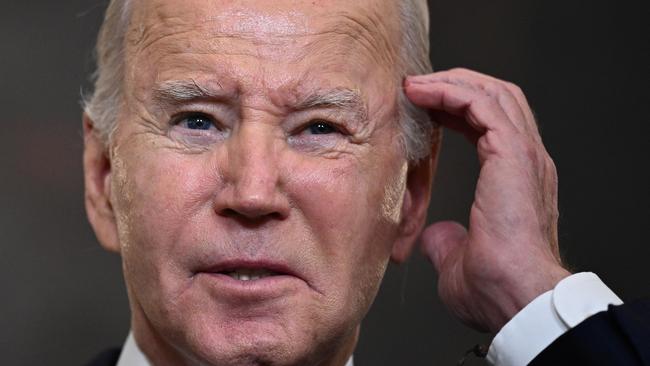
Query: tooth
[247, 274]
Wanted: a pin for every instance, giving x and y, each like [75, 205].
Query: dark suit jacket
[106, 358]
[619, 336]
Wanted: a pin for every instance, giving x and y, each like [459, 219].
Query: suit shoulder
[618, 336]
[108, 357]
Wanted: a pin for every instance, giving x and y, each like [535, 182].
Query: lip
[280, 268]
[284, 282]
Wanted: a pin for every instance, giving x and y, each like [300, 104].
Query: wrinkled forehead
[330, 28]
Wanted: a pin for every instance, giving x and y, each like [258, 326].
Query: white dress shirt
[535, 327]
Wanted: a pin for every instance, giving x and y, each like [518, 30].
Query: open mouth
[243, 278]
[249, 274]
[243, 270]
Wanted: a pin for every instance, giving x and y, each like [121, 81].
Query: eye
[318, 136]
[197, 121]
[321, 128]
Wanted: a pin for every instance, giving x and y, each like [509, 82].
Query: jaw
[245, 351]
[270, 333]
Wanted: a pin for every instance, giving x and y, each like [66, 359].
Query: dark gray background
[583, 64]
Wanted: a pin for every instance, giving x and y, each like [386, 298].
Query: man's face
[256, 175]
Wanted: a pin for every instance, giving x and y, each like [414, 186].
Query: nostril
[254, 207]
[249, 220]
[228, 212]
[244, 205]
[275, 216]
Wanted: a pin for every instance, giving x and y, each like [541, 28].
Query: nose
[254, 184]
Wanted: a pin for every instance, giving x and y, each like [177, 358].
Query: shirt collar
[132, 356]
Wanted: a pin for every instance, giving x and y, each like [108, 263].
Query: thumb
[440, 238]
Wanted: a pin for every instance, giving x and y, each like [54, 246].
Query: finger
[508, 95]
[482, 112]
[514, 90]
[440, 239]
[479, 83]
[457, 124]
[525, 107]
[503, 91]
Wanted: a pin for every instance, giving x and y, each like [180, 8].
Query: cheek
[157, 198]
[353, 212]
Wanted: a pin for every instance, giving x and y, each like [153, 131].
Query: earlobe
[97, 178]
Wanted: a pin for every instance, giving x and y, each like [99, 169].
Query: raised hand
[509, 254]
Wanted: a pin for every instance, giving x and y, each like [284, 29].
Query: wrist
[529, 287]
[519, 291]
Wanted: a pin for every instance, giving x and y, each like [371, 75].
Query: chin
[214, 319]
[252, 349]
[251, 343]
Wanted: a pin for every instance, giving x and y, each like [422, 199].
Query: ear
[416, 201]
[97, 181]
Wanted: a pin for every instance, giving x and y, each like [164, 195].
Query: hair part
[104, 104]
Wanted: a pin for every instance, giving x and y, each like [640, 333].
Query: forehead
[324, 34]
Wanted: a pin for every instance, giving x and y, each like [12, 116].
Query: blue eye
[197, 122]
[321, 128]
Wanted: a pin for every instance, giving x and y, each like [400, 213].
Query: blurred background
[583, 65]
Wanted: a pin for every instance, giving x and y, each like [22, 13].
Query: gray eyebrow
[339, 98]
[179, 91]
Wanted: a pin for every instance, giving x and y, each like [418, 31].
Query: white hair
[106, 100]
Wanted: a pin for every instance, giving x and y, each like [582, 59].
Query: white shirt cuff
[550, 315]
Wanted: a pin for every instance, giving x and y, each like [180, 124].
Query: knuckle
[514, 88]
[487, 101]
[495, 89]
[551, 168]
[518, 93]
